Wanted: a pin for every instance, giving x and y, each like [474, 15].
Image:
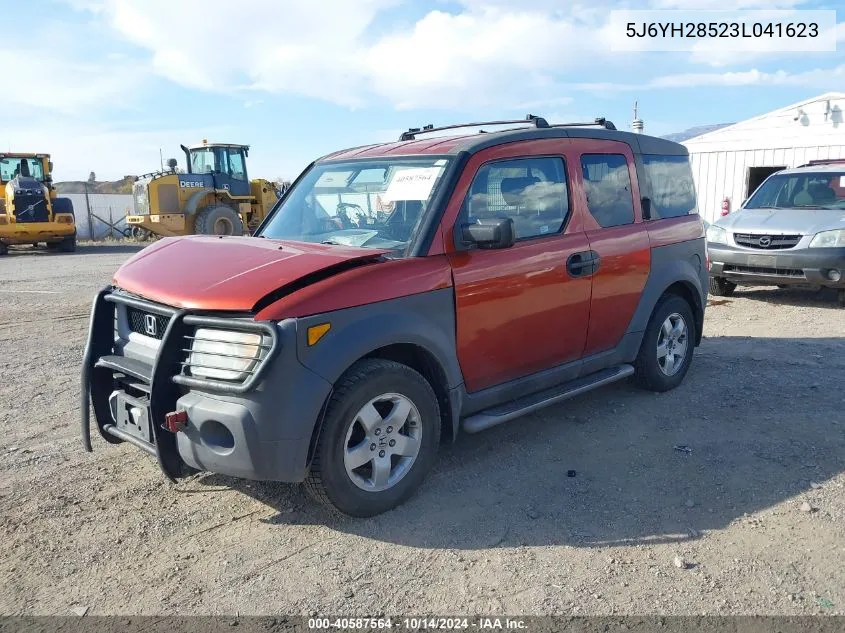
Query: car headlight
[224, 354]
[717, 235]
[828, 239]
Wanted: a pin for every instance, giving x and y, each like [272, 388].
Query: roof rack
[411, 134]
[536, 121]
[601, 121]
[824, 161]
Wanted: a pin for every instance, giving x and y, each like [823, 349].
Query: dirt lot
[498, 527]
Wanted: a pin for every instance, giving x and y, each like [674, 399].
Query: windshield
[809, 190]
[28, 167]
[372, 204]
[202, 161]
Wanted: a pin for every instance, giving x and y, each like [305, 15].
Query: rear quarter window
[671, 186]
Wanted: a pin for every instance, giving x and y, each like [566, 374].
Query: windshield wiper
[331, 243]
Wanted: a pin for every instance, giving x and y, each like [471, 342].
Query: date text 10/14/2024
[417, 624]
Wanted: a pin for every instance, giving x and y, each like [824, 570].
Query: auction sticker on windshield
[412, 184]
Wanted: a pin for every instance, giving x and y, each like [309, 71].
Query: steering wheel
[343, 214]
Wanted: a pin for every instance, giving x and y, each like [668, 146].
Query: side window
[531, 191]
[671, 184]
[236, 164]
[607, 185]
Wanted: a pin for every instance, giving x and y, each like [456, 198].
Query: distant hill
[108, 186]
[680, 137]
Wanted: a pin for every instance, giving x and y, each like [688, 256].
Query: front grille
[759, 270]
[140, 198]
[30, 206]
[766, 241]
[146, 323]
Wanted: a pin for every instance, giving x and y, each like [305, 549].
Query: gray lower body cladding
[778, 267]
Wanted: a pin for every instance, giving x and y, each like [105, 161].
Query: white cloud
[65, 85]
[721, 5]
[488, 53]
[821, 78]
[481, 56]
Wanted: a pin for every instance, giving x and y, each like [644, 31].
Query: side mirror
[50, 166]
[490, 233]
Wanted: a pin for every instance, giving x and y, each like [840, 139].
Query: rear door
[606, 186]
[518, 310]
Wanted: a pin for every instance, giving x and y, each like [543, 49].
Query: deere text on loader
[214, 197]
[30, 210]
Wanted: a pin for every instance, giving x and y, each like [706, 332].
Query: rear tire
[68, 245]
[139, 234]
[841, 297]
[219, 220]
[53, 246]
[384, 417]
[63, 205]
[666, 350]
[721, 287]
[4, 249]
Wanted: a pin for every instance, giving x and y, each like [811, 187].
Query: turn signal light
[316, 332]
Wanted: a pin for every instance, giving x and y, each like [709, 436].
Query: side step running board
[529, 404]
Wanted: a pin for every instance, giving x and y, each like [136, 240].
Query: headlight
[223, 354]
[717, 235]
[828, 239]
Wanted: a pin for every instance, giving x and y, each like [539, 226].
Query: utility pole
[88, 208]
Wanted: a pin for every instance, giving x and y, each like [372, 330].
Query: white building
[731, 162]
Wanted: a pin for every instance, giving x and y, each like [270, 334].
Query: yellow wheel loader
[214, 196]
[30, 210]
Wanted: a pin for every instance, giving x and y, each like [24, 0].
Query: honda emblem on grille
[765, 241]
[150, 325]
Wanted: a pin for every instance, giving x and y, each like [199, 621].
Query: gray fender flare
[666, 271]
[357, 332]
[190, 207]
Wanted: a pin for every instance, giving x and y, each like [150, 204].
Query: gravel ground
[749, 519]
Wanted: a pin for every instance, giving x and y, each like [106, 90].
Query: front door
[230, 171]
[520, 309]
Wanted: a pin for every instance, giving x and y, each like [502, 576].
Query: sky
[111, 85]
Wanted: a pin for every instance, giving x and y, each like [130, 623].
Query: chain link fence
[101, 216]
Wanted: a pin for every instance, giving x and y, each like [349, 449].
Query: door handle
[583, 263]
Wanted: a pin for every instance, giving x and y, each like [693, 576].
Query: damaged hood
[231, 273]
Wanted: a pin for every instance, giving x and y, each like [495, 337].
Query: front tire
[666, 350]
[721, 287]
[841, 297]
[379, 439]
[68, 245]
[219, 220]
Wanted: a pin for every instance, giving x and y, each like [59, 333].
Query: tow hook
[175, 421]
